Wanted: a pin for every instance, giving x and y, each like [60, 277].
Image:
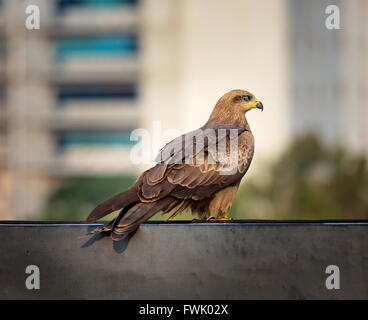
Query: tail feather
[112, 204]
[105, 228]
[129, 220]
[136, 216]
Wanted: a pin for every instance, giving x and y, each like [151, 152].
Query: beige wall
[5, 188]
[354, 82]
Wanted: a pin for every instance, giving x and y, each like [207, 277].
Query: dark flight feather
[114, 203]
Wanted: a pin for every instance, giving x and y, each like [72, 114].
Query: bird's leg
[210, 218]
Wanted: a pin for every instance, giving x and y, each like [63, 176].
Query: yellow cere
[253, 103]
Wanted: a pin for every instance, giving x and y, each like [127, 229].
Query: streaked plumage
[190, 173]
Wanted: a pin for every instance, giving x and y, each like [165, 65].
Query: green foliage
[76, 197]
[309, 181]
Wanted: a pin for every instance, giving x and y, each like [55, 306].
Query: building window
[78, 139]
[67, 93]
[62, 5]
[105, 46]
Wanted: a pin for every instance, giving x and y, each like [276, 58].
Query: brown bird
[200, 171]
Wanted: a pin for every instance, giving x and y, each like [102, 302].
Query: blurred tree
[309, 181]
[76, 197]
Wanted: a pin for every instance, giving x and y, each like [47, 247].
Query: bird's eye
[246, 98]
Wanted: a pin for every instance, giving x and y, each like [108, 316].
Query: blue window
[105, 46]
[71, 139]
[64, 4]
[66, 93]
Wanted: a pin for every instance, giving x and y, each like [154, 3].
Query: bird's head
[231, 107]
[242, 100]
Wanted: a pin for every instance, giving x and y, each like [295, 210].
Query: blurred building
[71, 92]
[69, 96]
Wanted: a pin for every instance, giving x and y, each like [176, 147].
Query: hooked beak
[259, 105]
[256, 104]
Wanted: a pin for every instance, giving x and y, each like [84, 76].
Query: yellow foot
[224, 217]
[213, 219]
[208, 219]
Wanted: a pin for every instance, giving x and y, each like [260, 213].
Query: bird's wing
[192, 169]
[191, 144]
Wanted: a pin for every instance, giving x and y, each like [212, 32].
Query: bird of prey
[198, 171]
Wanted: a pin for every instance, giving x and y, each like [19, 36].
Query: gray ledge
[179, 260]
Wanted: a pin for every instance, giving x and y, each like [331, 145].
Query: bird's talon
[224, 218]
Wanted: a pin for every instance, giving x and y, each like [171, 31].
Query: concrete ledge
[177, 260]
